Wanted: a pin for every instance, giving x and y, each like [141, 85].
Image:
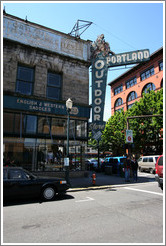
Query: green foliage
[113, 135]
[146, 131]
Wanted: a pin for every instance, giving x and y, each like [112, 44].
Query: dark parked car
[159, 171]
[20, 183]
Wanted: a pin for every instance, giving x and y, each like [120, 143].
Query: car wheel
[48, 193]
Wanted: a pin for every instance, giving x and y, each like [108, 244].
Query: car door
[144, 163]
[151, 163]
[19, 185]
[11, 183]
[160, 167]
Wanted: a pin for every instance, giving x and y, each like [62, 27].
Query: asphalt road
[130, 214]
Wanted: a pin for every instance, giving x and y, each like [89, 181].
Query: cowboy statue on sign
[100, 46]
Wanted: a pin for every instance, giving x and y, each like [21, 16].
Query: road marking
[156, 193]
[86, 200]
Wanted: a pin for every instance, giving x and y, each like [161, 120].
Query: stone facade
[75, 73]
[45, 50]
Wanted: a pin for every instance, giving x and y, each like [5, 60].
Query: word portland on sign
[128, 58]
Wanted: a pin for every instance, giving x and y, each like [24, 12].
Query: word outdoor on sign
[99, 78]
[101, 61]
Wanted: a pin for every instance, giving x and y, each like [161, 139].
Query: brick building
[128, 87]
[42, 68]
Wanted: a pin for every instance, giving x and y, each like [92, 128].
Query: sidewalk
[104, 181]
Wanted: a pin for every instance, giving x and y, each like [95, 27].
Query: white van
[147, 163]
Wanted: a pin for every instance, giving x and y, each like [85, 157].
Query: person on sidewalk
[127, 167]
[134, 165]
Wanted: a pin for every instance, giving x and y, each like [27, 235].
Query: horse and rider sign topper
[102, 58]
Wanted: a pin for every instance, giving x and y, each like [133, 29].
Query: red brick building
[128, 87]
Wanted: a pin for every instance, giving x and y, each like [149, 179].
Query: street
[128, 214]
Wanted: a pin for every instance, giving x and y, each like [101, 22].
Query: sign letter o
[98, 101]
[97, 109]
[99, 64]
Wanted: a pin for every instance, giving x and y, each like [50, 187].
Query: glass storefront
[38, 143]
[42, 154]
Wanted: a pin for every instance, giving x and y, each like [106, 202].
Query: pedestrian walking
[134, 165]
[127, 168]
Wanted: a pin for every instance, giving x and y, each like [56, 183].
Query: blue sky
[127, 26]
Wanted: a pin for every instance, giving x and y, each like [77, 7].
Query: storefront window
[36, 154]
[18, 123]
[31, 123]
[81, 128]
[72, 129]
[8, 120]
[58, 126]
[44, 125]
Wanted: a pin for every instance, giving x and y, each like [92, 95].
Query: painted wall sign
[29, 34]
[31, 105]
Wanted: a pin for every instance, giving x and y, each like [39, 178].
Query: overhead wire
[111, 34]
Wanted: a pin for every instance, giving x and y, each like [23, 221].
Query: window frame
[145, 87]
[21, 80]
[129, 82]
[51, 86]
[118, 89]
[39, 131]
[147, 73]
[160, 62]
[118, 102]
[130, 96]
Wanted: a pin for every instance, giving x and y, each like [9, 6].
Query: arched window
[149, 87]
[118, 102]
[132, 96]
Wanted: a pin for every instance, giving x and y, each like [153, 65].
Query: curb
[104, 187]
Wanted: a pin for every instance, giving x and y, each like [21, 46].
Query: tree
[146, 131]
[114, 133]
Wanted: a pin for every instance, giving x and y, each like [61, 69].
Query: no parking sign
[129, 136]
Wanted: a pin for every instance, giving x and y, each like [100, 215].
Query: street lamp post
[69, 105]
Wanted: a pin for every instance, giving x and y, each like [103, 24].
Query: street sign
[128, 58]
[97, 135]
[129, 136]
[66, 162]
